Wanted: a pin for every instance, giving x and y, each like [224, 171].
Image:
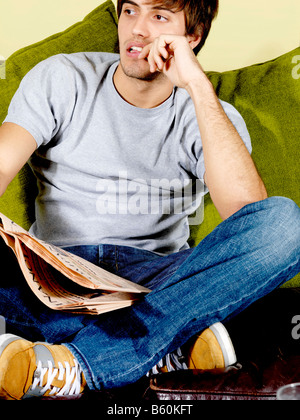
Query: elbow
[259, 194]
[3, 185]
[2, 191]
[234, 206]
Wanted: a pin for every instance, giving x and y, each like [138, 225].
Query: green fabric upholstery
[267, 96]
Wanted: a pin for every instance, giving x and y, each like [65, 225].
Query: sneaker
[212, 349]
[37, 369]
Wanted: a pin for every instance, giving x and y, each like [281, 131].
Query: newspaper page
[64, 281]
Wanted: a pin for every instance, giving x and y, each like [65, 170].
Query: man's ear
[195, 38]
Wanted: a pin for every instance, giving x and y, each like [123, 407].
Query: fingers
[157, 54]
[145, 52]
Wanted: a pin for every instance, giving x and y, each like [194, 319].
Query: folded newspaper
[64, 281]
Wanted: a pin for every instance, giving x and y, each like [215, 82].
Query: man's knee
[285, 211]
[283, 223]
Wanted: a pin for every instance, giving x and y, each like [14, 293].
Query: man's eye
[161, 18]
[129, 11]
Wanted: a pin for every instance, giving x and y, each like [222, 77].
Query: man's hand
[173, 56]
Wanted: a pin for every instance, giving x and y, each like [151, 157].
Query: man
[150, 114]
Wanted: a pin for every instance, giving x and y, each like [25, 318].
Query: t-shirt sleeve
[43, 99]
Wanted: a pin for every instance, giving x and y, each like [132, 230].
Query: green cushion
[268, 97]
[96, 32]
[265, 94]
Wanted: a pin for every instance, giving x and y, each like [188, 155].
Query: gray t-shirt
[107, 171]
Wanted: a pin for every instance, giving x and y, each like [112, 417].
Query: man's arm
[16, 147]
[231, 176]
[230, 173]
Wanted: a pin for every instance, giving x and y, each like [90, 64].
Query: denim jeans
[245, 258]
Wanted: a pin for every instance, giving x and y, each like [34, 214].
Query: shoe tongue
[62, 361]
[54, 384]
[44, 354]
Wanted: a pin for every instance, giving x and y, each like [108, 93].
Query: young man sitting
[148, 114]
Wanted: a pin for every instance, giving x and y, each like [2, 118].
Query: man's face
[140, 23]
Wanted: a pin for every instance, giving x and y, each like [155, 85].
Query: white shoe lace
[173, 361]
[72, 377]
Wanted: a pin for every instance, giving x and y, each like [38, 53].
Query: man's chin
[139, 72]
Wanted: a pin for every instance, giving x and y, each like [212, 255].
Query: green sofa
[267, 95]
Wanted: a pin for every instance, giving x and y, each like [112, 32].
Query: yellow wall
[245, 32]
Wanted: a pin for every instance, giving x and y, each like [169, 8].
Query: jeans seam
[162, 279]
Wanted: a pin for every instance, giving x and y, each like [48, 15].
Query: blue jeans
[246, 257]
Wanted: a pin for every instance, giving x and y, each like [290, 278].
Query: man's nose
[141, 27]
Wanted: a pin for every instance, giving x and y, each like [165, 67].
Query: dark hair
[199, 15]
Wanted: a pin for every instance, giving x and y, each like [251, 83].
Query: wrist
[200, 87]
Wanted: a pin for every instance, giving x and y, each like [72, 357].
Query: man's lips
[134, 49]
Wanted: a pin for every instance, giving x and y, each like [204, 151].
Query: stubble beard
[136, 72]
